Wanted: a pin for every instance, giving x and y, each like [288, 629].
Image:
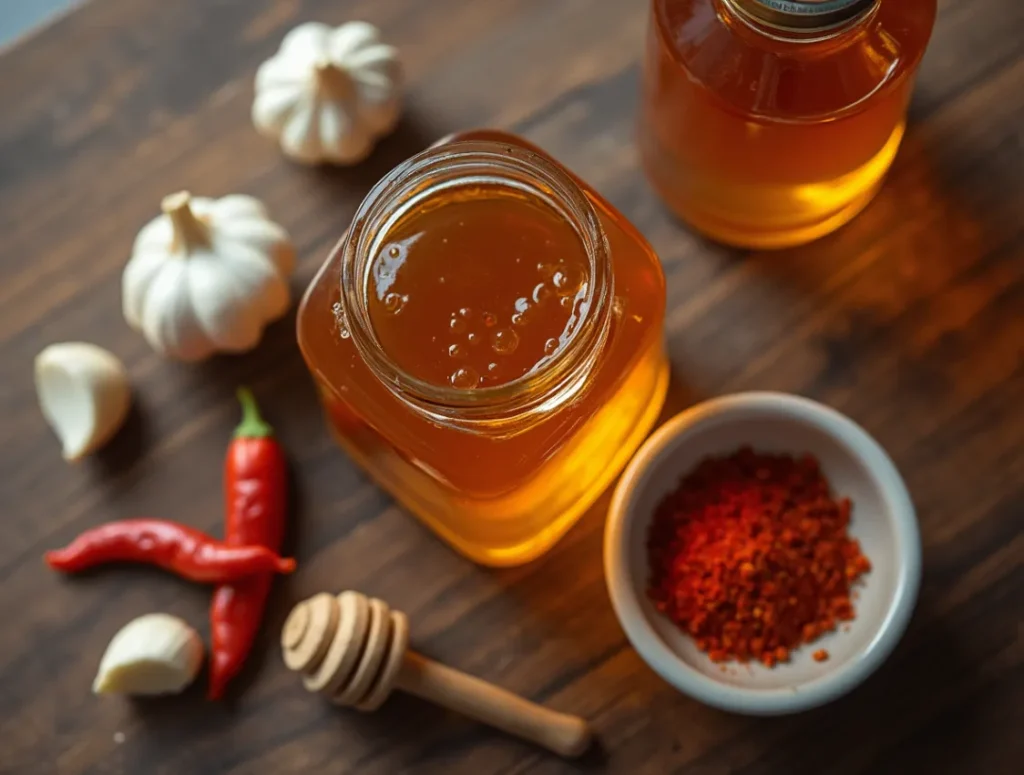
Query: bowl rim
[649, 644]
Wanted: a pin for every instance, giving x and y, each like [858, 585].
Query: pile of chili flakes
[750, 555]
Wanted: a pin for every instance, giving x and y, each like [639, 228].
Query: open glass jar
[487, 342]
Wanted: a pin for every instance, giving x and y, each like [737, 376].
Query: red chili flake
[751, 557]
[820, 655]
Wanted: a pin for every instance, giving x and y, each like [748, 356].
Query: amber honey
[487, 342]
[767, 128]
[480, 287]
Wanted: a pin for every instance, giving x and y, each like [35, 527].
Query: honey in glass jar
[769, 123]
[487, 342]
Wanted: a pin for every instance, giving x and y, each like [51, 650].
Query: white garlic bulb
[84, 394]
[153, 654]
[329, 93]
[207, 276]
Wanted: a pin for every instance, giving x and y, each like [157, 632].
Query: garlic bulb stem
[190, 233]
[334, 80]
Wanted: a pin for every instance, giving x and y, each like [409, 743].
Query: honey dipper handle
[565, 735]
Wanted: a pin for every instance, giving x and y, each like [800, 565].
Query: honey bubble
[340, 320]
[541, 292]
[465, 378]
[394, 302]
[504, 341]
[567, 281]
[457, 325]
[550, 346]
[490, 319]
[457, 351]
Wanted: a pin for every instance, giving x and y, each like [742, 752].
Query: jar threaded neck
[802, 15]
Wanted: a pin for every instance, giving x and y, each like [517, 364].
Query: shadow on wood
[121, 453]
[927, 669]
[412, 135]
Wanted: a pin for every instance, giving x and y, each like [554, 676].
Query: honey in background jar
[770, 123]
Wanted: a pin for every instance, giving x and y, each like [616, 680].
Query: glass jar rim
[461, 163]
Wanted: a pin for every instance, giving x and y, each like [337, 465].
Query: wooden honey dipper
[354, 651]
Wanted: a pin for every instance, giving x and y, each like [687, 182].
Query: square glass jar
[499, 472]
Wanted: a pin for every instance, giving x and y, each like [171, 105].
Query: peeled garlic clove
[84, 394]
[153, 654]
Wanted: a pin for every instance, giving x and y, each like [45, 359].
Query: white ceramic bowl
[882, 520]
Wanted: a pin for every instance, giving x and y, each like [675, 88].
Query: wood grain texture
[910, 319]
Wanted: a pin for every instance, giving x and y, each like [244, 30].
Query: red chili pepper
[255, 493]
[183, 550]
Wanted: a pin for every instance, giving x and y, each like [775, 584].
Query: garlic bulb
[329, 93]
[84, 393]
[206, 276]
[153, 654]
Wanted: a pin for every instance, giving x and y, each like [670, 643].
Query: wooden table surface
[910, 319]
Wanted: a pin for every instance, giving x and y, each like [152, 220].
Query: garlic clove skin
[84, 395]
[153, 654]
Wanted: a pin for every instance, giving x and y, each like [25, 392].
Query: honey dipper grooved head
[348, 648]
[307, 632]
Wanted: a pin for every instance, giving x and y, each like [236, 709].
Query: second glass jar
[769, 123]
[487, 342]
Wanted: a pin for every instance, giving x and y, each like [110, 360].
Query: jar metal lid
[803, 14]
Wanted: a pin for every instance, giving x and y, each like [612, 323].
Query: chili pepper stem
[252, 426]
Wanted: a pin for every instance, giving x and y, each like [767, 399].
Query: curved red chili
[178, 548]
[255, 495]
